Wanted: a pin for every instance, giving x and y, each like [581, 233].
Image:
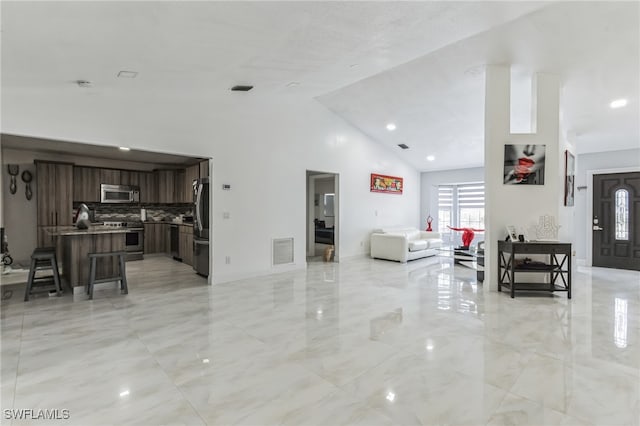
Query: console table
[557, 266]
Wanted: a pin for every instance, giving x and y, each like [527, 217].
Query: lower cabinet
[156, 238]
[186, 244]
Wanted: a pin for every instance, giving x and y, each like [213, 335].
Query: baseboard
[225, 278]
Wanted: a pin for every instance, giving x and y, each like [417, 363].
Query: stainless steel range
[134, 238]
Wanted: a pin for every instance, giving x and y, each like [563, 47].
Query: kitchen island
[75, 245]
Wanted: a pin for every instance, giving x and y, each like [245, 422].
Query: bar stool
[122, 273]
[43, 258]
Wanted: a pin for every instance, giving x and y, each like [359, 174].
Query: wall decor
[547, 230]
[524, 164]
[569, 177]
[387, 184]
[27, 177]
[13, 170]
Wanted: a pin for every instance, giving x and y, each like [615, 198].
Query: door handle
[597, 228]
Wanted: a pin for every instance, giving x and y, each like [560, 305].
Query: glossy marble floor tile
[363, 342]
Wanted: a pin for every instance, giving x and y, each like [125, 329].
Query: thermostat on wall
[226, 187]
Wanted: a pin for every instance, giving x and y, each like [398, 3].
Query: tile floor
[362, 342]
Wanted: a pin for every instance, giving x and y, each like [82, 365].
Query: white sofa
[404, 244]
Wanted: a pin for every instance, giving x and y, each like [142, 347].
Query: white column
[518, 205]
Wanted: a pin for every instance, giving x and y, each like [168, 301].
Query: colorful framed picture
[524, 164]
[569, 177]
[386, 184]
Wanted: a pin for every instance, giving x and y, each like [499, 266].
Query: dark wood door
[616, 220]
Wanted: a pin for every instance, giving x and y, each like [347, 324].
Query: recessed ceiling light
[124, 148]
[618, 103]
[354, 65]
[84, 83]
[124, 393]
[430, 158]
[391, 127]
[293, 84]
[128, 74]
[403, 145]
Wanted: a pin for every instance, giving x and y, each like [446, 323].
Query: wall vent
[282, 251]
[403, 146]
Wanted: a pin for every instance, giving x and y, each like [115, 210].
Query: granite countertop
[168, 222]
[93, 229]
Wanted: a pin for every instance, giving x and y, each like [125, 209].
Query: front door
[616, 220]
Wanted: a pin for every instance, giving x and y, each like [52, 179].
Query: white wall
[596, 161]
[262, 148]
[518, 205]
[429, 182]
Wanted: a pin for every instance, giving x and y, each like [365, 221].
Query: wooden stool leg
[32, 273]
[123, 275]
[56, 276]
[92, 276]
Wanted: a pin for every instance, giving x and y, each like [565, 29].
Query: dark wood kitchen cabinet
[204, 168]
[148, 187]
[86, 184]
[54, 198]
[110, 176]
[156, 238]
[186, 244]
[130, 178]
[191, 173]
[166, 185]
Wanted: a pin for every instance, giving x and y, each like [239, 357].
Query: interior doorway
[616, 220]
[323, 218]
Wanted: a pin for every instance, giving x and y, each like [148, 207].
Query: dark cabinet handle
[56, 218]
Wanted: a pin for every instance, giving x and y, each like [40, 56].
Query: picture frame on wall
[524, 164]
[386, 184]
[569, 178]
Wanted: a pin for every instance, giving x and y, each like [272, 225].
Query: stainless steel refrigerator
[201, 226]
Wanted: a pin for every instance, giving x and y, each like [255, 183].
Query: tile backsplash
[131, 213]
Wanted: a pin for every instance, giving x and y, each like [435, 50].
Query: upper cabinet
[204, 168]
[86, 184]
[110, 176]
[160, 186]
[166, 185]
[148, 187]
[130, 178]
[191, 173]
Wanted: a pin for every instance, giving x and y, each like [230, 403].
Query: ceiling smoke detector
[84, 83]
[241, 88]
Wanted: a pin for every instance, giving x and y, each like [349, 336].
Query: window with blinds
[460, 206]
[471, 206]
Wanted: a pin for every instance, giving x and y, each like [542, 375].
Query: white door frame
[589, 228]
[311, 184]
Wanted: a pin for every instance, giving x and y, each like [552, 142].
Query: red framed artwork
[386, 184]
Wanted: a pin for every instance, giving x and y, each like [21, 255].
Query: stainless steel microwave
[119, 194]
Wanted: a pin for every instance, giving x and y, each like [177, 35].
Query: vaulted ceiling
[418, 64]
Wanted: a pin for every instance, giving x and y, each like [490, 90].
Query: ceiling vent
[403, 146]
[241, 88]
